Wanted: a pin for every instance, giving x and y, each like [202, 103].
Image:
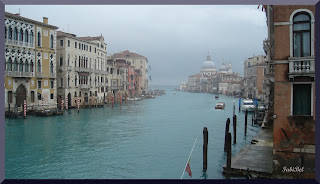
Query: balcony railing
[80, 69]
[69, 68]
[39, 75]
[19, 43]
[60, 68]
[19, 74]
[84, 86]
[301, 67]
[53, 75]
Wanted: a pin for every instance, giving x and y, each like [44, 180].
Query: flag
[188, 169]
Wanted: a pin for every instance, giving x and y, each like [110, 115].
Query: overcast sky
[175, 39]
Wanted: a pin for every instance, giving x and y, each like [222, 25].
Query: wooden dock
[257, 156]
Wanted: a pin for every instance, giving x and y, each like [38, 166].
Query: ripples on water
[149, 139]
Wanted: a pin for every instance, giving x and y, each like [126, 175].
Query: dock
[257, 157]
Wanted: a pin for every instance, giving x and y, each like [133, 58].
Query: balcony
[39, 75]
[69, 68]
[84, 86]
[19, 43]
[53, 75]
[80, 69]
[301, 67]
[19, 74]
[60, 68]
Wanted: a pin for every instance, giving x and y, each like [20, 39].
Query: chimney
[45, 20]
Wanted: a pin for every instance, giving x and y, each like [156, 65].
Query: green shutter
[301, 99]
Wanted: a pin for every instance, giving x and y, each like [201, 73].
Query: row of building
[211, 80]
[44, 66]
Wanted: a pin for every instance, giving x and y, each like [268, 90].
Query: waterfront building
[81, 69]
[254, 77]
[140, 63]
[194, 83]
[30, 54]
[183, 86]
[291, 46]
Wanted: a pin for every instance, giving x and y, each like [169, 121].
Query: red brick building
[291, 46]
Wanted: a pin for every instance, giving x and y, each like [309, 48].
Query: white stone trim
[282, 23]
[312, 86]
[312, 29]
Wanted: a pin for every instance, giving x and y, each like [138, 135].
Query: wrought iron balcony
[19, 74]
[301, 67]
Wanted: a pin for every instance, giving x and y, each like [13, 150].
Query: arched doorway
[20, 95]
[86, 97]
[69, 100]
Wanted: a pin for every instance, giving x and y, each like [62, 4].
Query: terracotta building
[290, 45]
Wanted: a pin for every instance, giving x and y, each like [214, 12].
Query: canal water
[148, 139]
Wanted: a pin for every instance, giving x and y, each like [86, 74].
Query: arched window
[9, 64]
[31, 36]
[68, 59]
[79, 61]
[39, 66]
[15, 34]
[90, 63]
[95, 81]
[61, 82]
[75, 80]
[301, 34]
[39, 39]
[31, 66]
[86, 62]
[61, 60]
[21, 66]
[26, 66]
[15, 66]
[51, 41]
[10, 33]
[26, 36]
[68, 80]
[51, 67]
[21, 35]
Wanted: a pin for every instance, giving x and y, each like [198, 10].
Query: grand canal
[149, 139]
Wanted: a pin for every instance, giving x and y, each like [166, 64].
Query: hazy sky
[175, 39]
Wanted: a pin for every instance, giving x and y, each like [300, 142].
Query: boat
[220, 105]
[248, 105]
[134, 99]
[174, 93]
[216, 97]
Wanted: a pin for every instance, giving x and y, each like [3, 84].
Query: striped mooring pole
[78, 104]
[67, 104]
[62, 105]
[42, 106]
[25, 108]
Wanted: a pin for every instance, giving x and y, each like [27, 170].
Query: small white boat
[248, 105]
[216, 97]
[220, 105]
[134, 99]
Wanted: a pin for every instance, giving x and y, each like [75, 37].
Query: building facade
[140, 63]
[30, 54]
[293, 57]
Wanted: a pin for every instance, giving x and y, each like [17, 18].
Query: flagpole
[189, 157]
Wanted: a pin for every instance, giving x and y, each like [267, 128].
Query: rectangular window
[39, 96]
[68, 43]
[32, 96]
[61, 43]
[75, 44]
[302, 99]
[39, 84]
[96, 93]
[51, 96]
[90, 48]
[75, 94]
[80, 46]
[52, 85]
[80, 93]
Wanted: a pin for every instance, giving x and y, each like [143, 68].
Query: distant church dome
[208, 64]
[223, 68]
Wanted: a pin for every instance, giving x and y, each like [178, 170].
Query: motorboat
[174, 92]
[248, 105]
[216, 97]
[220, 105]
[134, 99]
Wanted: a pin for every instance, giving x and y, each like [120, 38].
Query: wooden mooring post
[205, 148]
[227, 130]
[245, 123]
[234, 129]
[228, 168]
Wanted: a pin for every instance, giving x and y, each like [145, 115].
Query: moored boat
[248, 105]
[216, 97]
[220, 105]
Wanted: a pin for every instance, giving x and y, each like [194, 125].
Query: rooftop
[17, 16]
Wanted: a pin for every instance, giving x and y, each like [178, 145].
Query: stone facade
[30, 48]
